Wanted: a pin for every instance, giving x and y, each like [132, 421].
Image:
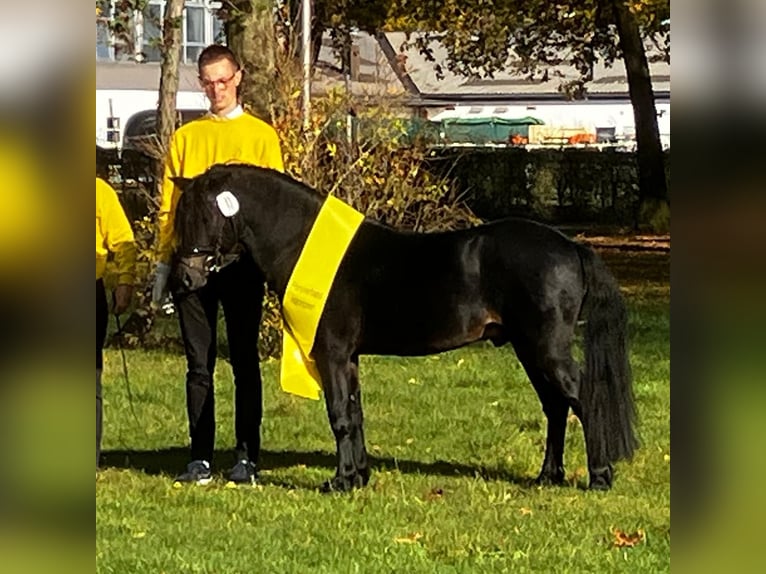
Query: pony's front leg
[358, 448]
[340, 380]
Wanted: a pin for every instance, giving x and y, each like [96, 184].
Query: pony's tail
[606, 387]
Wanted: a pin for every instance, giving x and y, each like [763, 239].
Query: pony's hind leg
[344, 409]
[564, 373]
[556, 407]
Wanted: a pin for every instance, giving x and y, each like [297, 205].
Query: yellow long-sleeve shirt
[200, 144]
[113, 234]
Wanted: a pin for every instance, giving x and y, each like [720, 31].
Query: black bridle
[208, 259]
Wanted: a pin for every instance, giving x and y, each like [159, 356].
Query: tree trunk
[250, 35]
[141, 320]
[653, 211]
[171, 55]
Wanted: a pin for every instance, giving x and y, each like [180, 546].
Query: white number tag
[227, 203]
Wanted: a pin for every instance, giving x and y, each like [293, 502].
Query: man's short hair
[215, 53]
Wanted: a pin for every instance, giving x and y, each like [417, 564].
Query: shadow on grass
[173, 460]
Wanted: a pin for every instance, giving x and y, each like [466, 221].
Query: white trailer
[124, 89]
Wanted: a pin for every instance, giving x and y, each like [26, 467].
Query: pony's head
[205, 229]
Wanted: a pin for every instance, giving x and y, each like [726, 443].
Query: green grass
[454, 439]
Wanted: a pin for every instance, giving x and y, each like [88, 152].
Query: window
[219, 34]
[195, 31]
[200, 28]
[103, 41]
[151, 36]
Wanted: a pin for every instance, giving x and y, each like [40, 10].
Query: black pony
[403, 293]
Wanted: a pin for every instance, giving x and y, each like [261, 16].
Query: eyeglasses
[222, 83]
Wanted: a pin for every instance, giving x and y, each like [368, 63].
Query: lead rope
[125, 369]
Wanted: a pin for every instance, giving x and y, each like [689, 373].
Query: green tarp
[477, 131]
[485, 130]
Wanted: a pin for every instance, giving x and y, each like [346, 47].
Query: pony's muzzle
[191, 272]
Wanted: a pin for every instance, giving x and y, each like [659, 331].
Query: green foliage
[654, 215]
[141, 210]
[482, 36]
[336, 14]
[454, 441]
[362, 149]
[558, 186]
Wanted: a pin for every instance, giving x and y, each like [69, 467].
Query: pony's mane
[242, 169]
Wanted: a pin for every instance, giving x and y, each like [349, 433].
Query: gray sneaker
[243, 472]
[197, 472]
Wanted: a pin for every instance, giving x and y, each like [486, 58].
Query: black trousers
[239, 287]
[102, 319]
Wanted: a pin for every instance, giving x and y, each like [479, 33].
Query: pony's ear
[182, 182]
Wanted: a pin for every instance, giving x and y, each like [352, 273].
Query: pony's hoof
[361, 478]
[337, 484]
[346, 483]
[599, 485]
[601, 479]
[550, 478]
[326, 487]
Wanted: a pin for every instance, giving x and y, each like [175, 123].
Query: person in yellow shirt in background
[226, 134]
[113, 235]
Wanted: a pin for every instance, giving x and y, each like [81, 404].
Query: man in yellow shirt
[113, 235]
[225, 134]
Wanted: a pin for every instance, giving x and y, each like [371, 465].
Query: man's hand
[160, 288]
[122, 296]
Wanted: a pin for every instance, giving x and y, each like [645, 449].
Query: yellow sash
[307, 292]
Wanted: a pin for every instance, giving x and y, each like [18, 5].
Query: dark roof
[419, 76]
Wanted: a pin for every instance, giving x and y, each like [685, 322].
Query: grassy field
[455, 441]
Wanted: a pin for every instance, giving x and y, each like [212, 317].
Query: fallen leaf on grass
[627, 539]
[434, 494]
[411, 538]
[579, 472]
